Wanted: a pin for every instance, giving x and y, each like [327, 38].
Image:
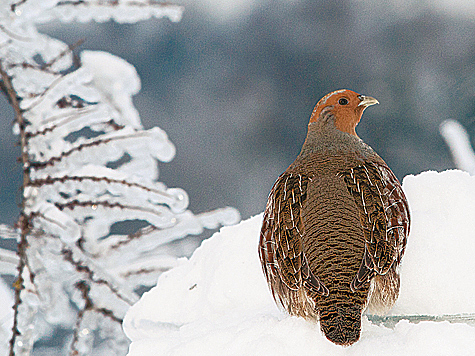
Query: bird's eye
[343, 101]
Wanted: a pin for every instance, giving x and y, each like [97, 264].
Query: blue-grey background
[233, 85]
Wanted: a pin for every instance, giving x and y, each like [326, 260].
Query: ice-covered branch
[96, 225]
[8, 262]
[391, 320]
[22, 340]
[458, 141]
[122, 11]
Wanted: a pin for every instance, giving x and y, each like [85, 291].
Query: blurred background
[233, 85]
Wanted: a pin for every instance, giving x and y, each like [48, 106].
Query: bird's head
[342, 108]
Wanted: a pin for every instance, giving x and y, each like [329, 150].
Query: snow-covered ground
[218, 303]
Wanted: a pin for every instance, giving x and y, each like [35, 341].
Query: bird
[335, 225]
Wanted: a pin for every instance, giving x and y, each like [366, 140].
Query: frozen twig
[95, 223]
[458, 141]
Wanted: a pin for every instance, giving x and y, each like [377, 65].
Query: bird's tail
[341, 324]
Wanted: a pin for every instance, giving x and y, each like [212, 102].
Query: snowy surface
[217, 302]
[438, 270]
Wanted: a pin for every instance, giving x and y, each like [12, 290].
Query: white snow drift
[218, 303]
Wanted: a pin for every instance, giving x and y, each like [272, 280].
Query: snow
[439, 266]
[217, 302]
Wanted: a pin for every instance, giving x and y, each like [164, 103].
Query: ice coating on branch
[122, 11]
[224, 216]
[458, 141]
[96, 225]
[117, 81]
[6, 316]
[8, 262]
[54, 222]
[143, 146]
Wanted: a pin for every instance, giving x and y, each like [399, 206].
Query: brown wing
[280, 245]
[384, 216]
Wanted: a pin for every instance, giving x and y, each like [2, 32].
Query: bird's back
[334, 244]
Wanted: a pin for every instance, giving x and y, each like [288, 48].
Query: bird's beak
[367, 101]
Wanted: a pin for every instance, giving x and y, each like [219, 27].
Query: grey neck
[324, 137]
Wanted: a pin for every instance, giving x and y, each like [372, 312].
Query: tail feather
[341, 324]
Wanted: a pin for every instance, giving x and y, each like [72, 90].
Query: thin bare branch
[24, 223]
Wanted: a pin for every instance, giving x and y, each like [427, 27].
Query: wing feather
[384, 216]
[280, 245]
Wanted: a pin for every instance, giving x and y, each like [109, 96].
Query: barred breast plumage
[335, 225]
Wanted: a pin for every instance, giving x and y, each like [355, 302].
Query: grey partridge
[335, 225]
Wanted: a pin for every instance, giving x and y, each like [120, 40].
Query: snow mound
[438, 269]
[218, 303]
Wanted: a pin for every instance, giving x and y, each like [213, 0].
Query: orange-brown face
[347, 107]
